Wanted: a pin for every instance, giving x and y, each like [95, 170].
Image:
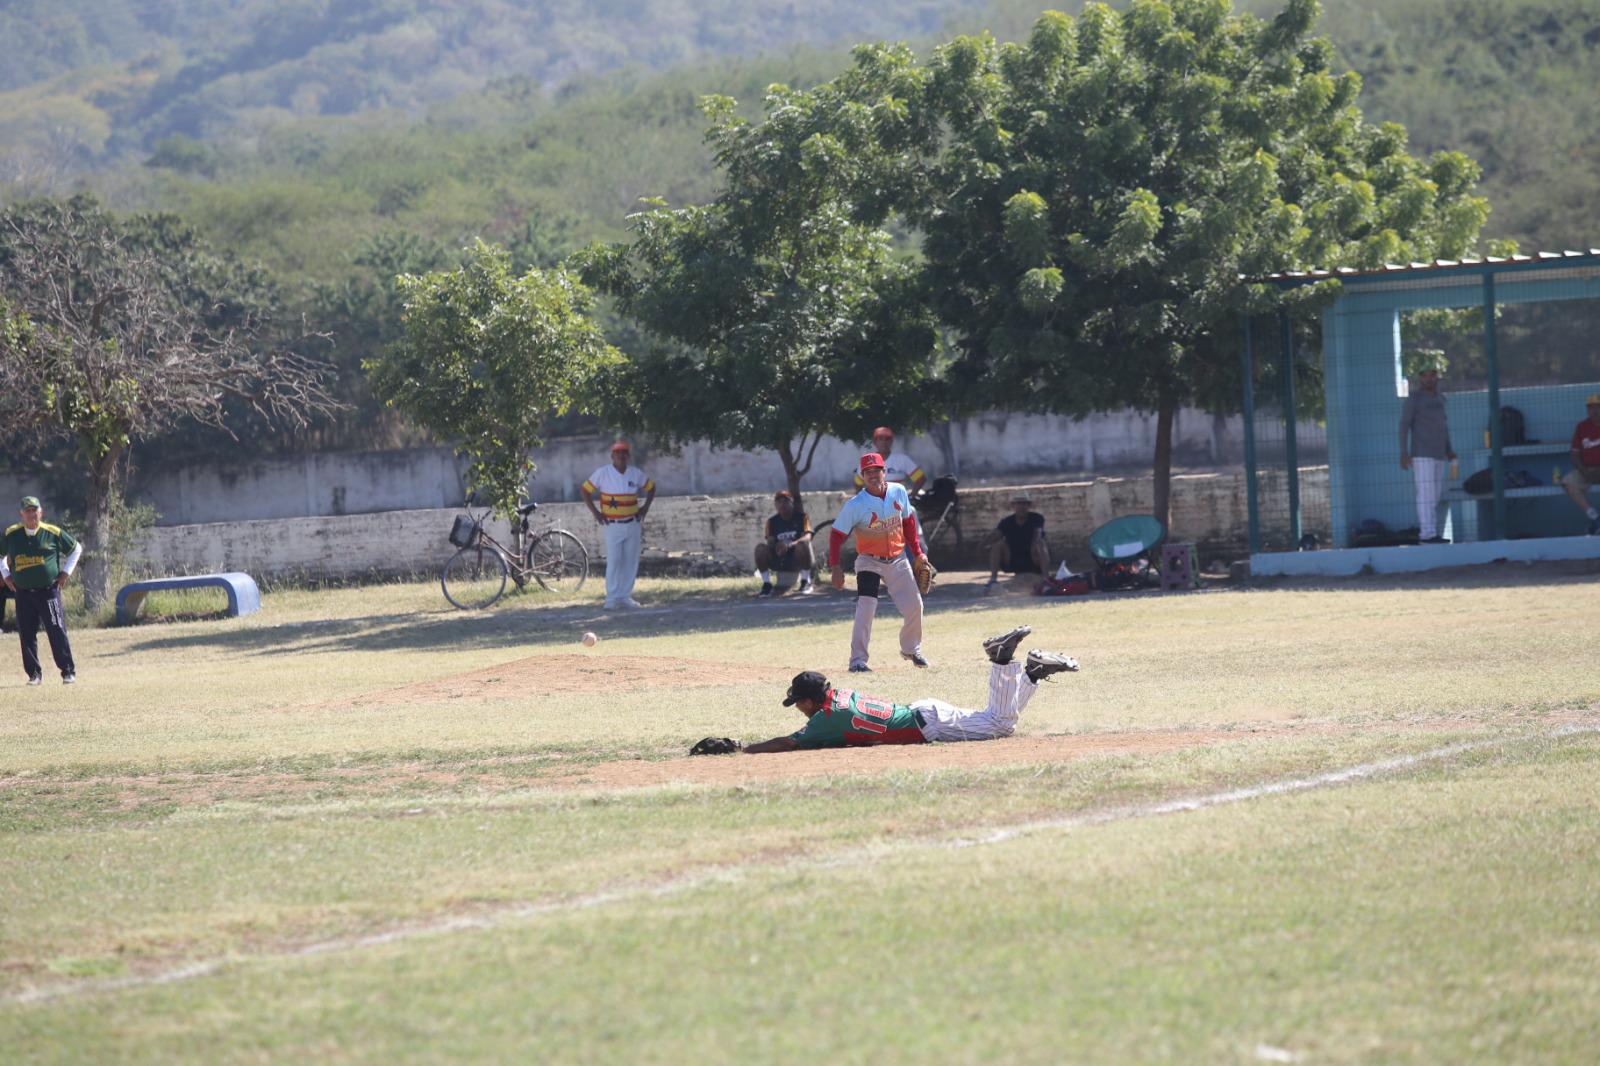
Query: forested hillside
[84, 82]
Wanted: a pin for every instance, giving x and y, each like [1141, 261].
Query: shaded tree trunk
[1162, 468]
[96, 567]
[794, 467]
[947, 448]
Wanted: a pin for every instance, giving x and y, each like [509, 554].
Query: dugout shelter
[1535, 348]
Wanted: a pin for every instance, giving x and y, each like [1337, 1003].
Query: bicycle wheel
[558, 561]
[474, 578]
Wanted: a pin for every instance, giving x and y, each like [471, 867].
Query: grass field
[359, 826]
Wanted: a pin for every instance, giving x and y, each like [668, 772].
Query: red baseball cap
[870, 460]
[621, 446]
[782, 494]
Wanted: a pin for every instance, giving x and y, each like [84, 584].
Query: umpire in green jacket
[35, 561]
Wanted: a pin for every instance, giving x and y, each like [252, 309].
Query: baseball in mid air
[590, 640]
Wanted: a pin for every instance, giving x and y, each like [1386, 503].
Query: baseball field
[1355, 822]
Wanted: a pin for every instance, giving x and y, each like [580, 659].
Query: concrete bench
[1469, 512]
[243, 596]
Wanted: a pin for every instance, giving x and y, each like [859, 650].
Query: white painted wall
[991, 447]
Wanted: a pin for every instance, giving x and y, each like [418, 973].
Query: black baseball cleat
[1041, 664]
[1001, 648]
[917, 659]
[860, 668]
[766, 588]
[36, 679]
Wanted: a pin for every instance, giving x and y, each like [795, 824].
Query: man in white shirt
[898, 467]
[612, 495]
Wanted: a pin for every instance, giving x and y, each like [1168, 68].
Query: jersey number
[872, 708]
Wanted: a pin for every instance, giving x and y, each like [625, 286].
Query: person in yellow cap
[1585, 472]
[35, 560]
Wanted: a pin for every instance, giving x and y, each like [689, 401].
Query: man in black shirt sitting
[1017, 544]
[787, 546]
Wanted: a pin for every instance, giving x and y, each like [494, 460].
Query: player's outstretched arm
[772, 747]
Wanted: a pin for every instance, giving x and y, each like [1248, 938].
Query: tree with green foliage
[133, 326]
[774, 317]
[1095, 195]
[487, 356]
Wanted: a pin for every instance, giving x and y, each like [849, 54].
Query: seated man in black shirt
[1018, 543]
[787, 547]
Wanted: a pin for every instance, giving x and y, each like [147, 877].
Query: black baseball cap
[807, 685]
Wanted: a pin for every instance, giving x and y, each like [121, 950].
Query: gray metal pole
[1253, 505]
[1291, 445]
[1491, 357]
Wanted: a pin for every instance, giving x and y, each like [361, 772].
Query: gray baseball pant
[897, 577]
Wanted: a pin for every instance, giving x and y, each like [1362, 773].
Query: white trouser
[623, 540]
[1429, 475]
[1010, 689]
[898, 578]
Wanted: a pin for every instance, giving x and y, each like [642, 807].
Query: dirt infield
[758, 769]
[514, 773]
[569, 673]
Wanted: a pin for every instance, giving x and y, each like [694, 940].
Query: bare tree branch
[129, 336]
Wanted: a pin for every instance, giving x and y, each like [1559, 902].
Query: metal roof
[1487, 264]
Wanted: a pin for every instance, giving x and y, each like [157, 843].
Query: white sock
[1593, 514]
[766, 577]
[805, 575]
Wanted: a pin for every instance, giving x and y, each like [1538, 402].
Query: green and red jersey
[854, 719]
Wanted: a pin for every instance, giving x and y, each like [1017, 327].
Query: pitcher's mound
[584, 672]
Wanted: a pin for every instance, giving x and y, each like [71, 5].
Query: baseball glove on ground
[715, 746]
[925, 573]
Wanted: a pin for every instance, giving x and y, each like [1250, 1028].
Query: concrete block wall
[1207, 509]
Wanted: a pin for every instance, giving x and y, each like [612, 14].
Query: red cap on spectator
[621, 446]
[870, 460]
[883, 431]
[782, 494]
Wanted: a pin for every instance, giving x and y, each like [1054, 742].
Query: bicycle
[475, 576]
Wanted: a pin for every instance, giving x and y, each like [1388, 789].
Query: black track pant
[37, 607]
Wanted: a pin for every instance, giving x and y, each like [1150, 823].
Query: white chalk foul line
[729, 874]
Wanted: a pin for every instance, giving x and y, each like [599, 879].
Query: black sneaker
[1041, 664]
[766, 588]
[69, 678]
[860, 668]
[1001, 648]
[36, 679]
[917, 659]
